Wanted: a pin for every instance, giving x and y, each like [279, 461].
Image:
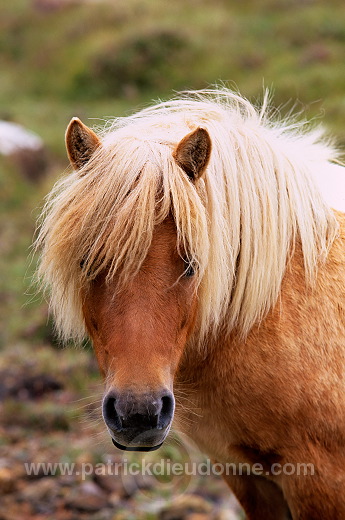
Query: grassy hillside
[98, 59]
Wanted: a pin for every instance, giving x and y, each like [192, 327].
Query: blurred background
[97, 59]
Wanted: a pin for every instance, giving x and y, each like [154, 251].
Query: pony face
[139, 333]
[139, 327]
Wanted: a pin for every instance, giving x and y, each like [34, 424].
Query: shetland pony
[192, 245]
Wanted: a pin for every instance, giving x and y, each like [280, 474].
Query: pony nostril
[110, 415]
[167, 411]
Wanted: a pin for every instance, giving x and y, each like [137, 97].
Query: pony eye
[81, 265]
[189, 269]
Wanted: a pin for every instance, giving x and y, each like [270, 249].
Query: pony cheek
[188, 316]
[187, 326]
[101, 356]
[99, 348]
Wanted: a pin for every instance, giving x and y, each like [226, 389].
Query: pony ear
[193, 153]
[81, 143]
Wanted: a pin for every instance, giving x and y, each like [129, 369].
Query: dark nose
[131, 412]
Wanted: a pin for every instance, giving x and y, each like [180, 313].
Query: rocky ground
[50, 413]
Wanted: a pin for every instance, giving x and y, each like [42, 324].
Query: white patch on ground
[14, 138]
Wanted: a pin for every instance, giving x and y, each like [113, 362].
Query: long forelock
[238, 223]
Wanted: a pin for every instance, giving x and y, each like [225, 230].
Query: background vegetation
[98, 59]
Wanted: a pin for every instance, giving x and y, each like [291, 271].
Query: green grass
[98, 59]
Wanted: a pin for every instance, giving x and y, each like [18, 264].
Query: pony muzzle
[138, 422]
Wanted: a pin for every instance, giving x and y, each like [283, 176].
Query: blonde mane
[239, 223]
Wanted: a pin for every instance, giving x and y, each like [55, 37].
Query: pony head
[140, 324]
[176, 223]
